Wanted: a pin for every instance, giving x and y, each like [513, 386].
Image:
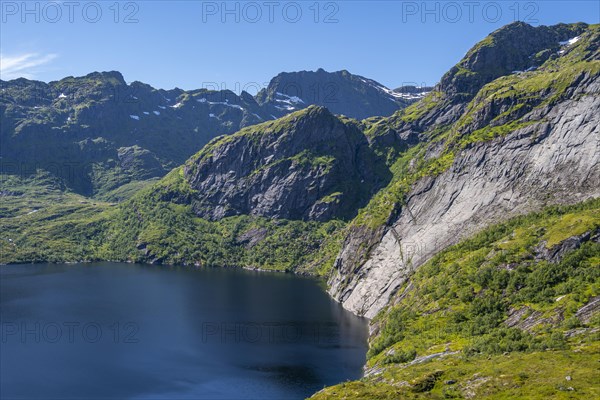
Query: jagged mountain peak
[106, 77]
[514, 47]
[309, 165]
[341, 92]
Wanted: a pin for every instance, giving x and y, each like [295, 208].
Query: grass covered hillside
[508, 313]
[42, 221]
[150, 228]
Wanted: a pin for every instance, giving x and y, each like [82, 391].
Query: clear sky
[193, 44]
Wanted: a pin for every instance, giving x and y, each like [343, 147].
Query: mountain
[309, 165]
[99, 133]
[525, 140]
[478, 264]
[465, 226]
[341, 92]
[505, 52]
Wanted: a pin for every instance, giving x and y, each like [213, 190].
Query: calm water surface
[125, 331]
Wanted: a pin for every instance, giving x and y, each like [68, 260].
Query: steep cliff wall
[549, 153]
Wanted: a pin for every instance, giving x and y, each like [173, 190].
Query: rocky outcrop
[309, 165]
[586, 312]
[554, 159]
[556, 253]
[527, 319]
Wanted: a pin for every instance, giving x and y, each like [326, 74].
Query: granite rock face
[309, 165]
[552, 156]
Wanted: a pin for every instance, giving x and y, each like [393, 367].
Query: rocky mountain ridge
[99, 133]
[522, 143]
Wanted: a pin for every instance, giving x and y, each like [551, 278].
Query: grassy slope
[40, 221]
[459, 301]
[540, 375]
[172, 233]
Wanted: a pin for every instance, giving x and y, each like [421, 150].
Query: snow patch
[395, 95]
[226, 104]
[162, 107]
[570, 42]
[177, 105]
[134, 117]
[286, 108]
[62, 96]
[289, 99]
[411, 96]
[156, 112]
[146, 112]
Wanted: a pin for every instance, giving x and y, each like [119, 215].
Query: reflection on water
[112, 330]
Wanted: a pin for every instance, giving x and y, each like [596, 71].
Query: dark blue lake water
[122, 331]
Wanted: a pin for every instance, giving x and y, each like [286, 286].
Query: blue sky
[241, 45]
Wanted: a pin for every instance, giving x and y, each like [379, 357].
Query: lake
[127, 331]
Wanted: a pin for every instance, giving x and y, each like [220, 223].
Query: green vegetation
[458, 307]
[157, 225]
[125, 191]
[558, 374]
[40, 221]
[469, 288]
[420, 109]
